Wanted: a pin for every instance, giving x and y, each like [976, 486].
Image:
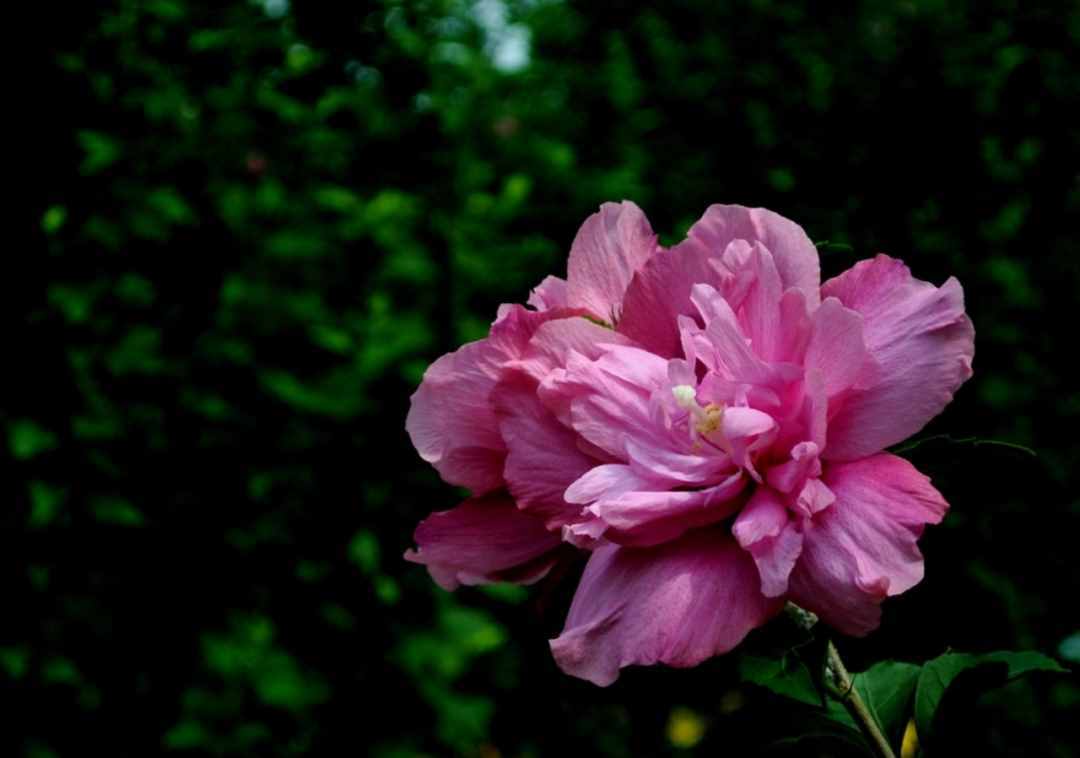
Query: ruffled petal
[550, 293]
[484, 540]
[542, 457]
[678, 604]
[862, 548]
[923, 344]
[451, 421]
[610, 247]
[660, 293]
[766, 529]
[651, 516]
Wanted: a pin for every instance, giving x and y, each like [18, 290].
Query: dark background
[254, 225]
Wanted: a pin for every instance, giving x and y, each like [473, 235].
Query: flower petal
[451, 421]
[483, 540]
[550, 293]
[862, 548]
[923, 344]
[767, 531]
[611, 245]
[678, 604]
[542, 457]
[660, 293]
[644, 517]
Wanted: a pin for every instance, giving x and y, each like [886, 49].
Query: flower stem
[842, 686]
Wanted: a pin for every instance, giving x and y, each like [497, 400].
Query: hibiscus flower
[708, 422]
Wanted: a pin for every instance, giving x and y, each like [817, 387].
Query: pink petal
[611, 398]
[542, 455]
[678, 604]
[608, 480]
[837, 348]
[643, 517]
[863, 547]
[660, 293]
[923, 344]
[795, 256]
[451, 421]
[550, 293]
[767, 531]
[610, 247]
[551, 345]
[483, 540]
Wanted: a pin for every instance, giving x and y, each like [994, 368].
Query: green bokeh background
[255, 224]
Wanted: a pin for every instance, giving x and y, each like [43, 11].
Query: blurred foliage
[256, 223]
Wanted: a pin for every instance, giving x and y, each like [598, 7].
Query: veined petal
[610, 247]
[550, 293]
[795, 256]
[923, 344]
[765, 528]
[863, 548]
[643, 517]
[678, 604]
[451, 421]
[483, 540]
[542, 457]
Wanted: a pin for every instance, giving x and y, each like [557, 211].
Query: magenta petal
[837, 348]
[795, 256]
[542, 457]
[550, 293]
[554, 341]
[483, 540]
[451, 422]
[862, 548]
[923, 344]
[643, 517]
[678, 604]
[767, 531]
[660, 293]
[610, 247]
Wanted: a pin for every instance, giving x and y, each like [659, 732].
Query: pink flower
[708, 421]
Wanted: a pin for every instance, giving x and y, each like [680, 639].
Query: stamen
[707, 420]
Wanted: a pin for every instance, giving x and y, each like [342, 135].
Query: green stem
[842, 686]
[843, 689]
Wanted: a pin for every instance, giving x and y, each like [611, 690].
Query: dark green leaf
[888, 689]
[787, 676]
[939, 674]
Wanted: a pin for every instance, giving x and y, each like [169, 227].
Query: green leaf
[787, 676]
[999, 668]
[888, 689]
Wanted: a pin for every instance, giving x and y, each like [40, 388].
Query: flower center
[706, 419]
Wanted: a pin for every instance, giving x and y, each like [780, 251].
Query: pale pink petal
[451, 421]
[790, 476]
[862, 548]
[767, 531]
[551, 345]
[837, 348]
[610, 247]
[542, 455]
[611, 398]
[483, 540]
[676, 468]
[814, 497]
[608, 480]
[649, 518]
[795, 255]
[550, 293]
[923, 344]
[678, 604]
[759, 309]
